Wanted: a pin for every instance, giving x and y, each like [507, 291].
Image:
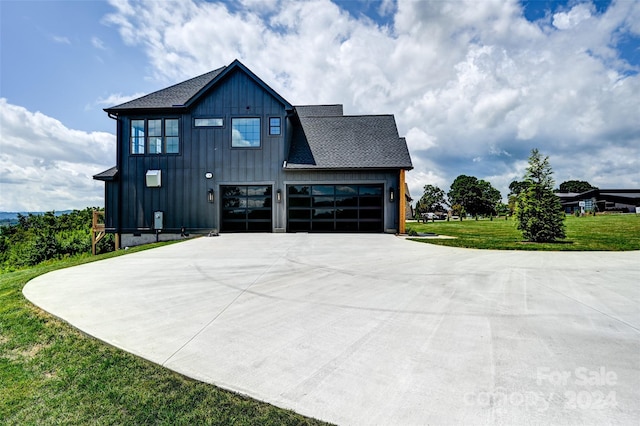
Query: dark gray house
[601, 200]
[225, 152]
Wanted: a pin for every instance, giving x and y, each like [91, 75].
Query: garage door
[246, 208]
[335, 208]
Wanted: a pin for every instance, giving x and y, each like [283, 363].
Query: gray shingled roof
[176, 95]
[344, 142]
[109, 174]
[319, 110]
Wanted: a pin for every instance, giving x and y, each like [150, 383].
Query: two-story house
[225, 152]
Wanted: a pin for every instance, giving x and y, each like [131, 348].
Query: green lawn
[606, 232]
[50, 373]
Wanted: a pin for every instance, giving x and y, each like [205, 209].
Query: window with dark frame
[172, 136]
[155, 136]
[208, 122]
[137, 136]
[275, 127]
[245, 133]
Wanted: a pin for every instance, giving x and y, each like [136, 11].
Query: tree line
[468, 195]
[36, 238]
[537, 209]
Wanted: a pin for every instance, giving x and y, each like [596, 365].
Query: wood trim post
[97, 230]
[402, 203]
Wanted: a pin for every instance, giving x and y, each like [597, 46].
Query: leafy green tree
[515, 188]
[458, 210]
[577, 186]
[432, 200]
[477, 197]
[502, 209]
[538, 210]
[39, 237]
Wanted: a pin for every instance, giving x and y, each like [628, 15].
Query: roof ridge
[317, 105]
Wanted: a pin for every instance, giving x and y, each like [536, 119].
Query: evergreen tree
[538, 210]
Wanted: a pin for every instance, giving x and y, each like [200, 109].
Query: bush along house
[223, 152]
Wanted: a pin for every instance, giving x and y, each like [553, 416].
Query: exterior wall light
[279, 195]
[392, 194]
[210, 196]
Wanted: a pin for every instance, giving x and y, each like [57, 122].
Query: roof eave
[174, 109]
[296, 167]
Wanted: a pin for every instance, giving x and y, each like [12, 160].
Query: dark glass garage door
[335, 208]
[246, 208]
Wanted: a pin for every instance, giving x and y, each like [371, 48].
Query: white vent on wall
[154, 178]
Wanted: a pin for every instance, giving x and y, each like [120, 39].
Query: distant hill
[11, 218]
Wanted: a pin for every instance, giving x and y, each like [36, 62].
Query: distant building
[408, 212]
[225, 152]
[601, 200]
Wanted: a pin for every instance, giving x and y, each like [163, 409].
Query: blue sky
[474, 85]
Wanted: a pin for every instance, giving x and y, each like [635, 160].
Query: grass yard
[606, 232]
[50, 373]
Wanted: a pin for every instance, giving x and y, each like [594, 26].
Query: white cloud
[117, 99]
[568, 20]
[61, 39]
[97, 43]
[386, 7]
[419, 140]
[45, 165]
[466, 79]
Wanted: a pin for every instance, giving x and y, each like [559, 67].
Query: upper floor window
[208, 122]
[137, 136]
[275, 128]
[245, 132]
[171, 136]
[155, 136]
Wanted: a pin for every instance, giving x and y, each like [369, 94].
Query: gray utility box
[158, 220]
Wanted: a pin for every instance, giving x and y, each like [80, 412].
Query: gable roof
[183, 95]
[337, 141]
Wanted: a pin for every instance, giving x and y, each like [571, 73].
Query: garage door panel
[261, 214]
[347, 226]
[246, 208]
[368, 213]
[299, 214]
[323, 201]
[350, 214]
[299, 202]
[335, 208]
[300, 226]
[371, 201]
[347, 201]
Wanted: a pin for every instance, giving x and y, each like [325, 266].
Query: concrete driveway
[374, 329]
